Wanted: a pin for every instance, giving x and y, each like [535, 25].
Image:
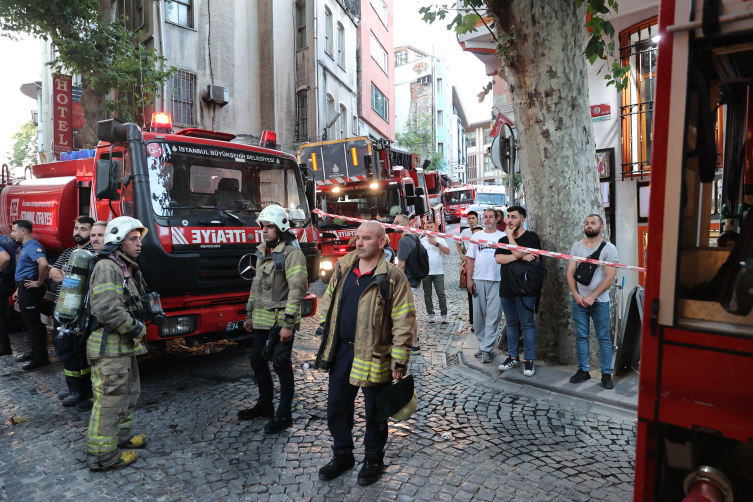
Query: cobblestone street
[467, 440]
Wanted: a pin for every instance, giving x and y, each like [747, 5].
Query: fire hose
[471, 240]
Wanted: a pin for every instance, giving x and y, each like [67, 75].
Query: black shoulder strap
[595, 255]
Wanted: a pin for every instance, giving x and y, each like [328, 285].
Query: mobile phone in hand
[474, 293]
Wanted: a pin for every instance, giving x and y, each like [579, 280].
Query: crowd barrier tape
[539, 252]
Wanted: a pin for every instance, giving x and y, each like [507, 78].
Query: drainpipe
[316, 64]
[161, 25]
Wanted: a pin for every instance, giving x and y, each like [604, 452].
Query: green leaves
[419, 138]
[601, 44]
[24, 151]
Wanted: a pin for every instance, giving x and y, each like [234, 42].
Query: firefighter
[72, 353]
[279, 286]
[118, 337]
[367, 317]
[31, 272]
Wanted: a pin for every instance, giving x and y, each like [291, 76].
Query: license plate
[235, 325]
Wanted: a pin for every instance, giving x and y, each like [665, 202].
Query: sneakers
[258, 411]
[416, 349]
[478, 354]
[86, 405]
[126, 457]
[529, 369]
[372, 468]
[444, 319]
[281, 421]
[606, 381]
[340, 463]
[73, 399]
[487, 357]
[580, 376]
[432, 318]
[509, 364]
[135, 442]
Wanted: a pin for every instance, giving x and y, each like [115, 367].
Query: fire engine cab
[369, 180]
[196, 192]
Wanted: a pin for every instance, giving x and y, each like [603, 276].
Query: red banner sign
[62, 114]
[601, 112]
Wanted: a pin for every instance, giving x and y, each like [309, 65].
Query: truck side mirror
[419, 204]
[108, 180]
[420, 192]
[311, 194]
[426, 164]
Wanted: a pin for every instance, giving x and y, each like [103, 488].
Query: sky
[464, 69]
[22, 61]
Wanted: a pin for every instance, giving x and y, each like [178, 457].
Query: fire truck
[366, 179]
[196, 192]
[456, 199]
[695, 404]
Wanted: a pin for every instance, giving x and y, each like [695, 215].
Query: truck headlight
[178, 325]
[325, 265]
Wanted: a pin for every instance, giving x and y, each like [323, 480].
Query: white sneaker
[444, 319]
[509, 364]
[529, 368]
[432, 319]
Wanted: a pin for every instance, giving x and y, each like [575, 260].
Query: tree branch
[487, 26]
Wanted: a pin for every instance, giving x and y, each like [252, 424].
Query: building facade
[376, 94]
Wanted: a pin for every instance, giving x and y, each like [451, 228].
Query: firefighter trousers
[72, 354]
[116, 386]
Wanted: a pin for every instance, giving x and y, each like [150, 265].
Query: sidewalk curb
[533, 389]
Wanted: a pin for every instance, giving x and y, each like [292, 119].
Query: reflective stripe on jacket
[279, 287]
[111, 304]
[386, 316]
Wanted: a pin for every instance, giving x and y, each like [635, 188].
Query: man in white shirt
[483, 283]
[472, 218]
[435, 248]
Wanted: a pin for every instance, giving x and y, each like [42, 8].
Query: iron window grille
[301, 127]
[183, 98]
[638, 49]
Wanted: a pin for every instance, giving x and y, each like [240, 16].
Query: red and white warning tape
[539, 252]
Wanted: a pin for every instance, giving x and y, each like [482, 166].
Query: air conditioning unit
[218, 94]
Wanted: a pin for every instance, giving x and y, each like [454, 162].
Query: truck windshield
[192, 180]
[492, 199]
[458, 197]
[367, 204]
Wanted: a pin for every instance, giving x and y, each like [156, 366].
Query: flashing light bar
[355, 156]
[314, 164]
[162, 123]
[269, 140]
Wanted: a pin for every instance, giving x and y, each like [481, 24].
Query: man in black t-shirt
[405, 251]
[518, 309]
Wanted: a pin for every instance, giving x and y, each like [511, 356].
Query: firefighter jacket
[279, 287]
[383, 329]
[116, 303]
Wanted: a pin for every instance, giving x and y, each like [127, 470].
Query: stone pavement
[470, 439]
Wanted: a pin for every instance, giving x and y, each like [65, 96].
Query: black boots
[372, 468]
[23, 358]
[258, 411]
[279, 423]
[5, 349]
[36, 362]
[340, 463]
[73, 399]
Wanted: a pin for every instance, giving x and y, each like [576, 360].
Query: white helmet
[120, 227]
[274, 215]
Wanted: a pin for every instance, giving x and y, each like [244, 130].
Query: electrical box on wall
[218, 94]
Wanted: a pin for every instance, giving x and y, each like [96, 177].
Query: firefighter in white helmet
[115, 291]
[273, 313]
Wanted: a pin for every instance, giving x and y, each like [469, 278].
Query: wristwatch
[436, 244]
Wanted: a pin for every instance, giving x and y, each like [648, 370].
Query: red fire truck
[366, 179]
[196, 192]
[695, 406]
[456, 199]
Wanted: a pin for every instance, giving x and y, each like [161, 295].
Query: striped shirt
[62, 262]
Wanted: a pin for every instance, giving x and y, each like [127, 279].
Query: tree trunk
[548, 79]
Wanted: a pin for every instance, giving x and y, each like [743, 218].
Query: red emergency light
[161, 122]
[268, 140]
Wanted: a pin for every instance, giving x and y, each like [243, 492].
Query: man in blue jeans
[591, 301]
[518, 309]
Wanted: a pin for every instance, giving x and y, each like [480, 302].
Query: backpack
[526, 278]
[418, 263]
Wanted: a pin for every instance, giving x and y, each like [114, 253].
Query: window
[330, 116]
[379, 103]
[183, 98]
[638, 49]
[132, 12]
[440, 117]
[440, 86]
[488, 166]
[355, 125]
[487, 135]
[381, 9]
[343, 122]
[401, 58]
[378, 53]
[341, 46]
[472, 167]
[180, 12]
[327, 31]
[302, 127]
[440, 148]
[471, 141]
[300, 10]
